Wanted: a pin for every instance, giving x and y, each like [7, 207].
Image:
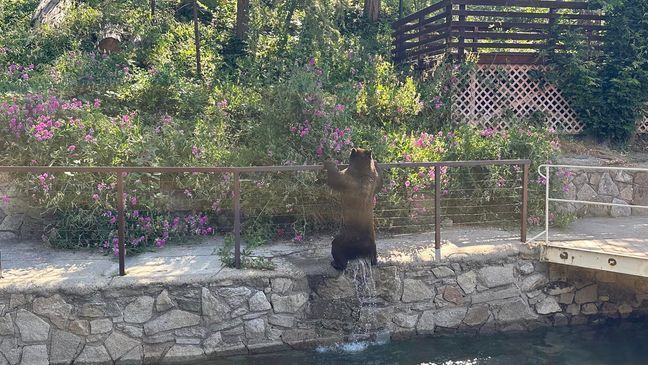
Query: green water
[619, 343]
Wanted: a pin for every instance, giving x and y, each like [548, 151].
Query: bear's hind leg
[339, 256]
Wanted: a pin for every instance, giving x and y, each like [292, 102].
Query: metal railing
[548, 199]
[121, 172]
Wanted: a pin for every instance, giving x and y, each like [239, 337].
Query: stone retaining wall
[619, 187]
[259, 312]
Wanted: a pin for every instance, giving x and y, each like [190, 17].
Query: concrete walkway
[34, 265]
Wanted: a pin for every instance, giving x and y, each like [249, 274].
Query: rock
[625, 310]
[80, 327]
[259, 302]
[476, 315]
[132, 331]
[133, 357]
[31, 327]
[213, 308]
[442, 272]
[197, 331]
[533, 282]
[255, 328]
[188, 341]
[336, 288]
[450, 317]
[100, 310]
[623, 177]
[54, 308]
[533, 293]
[547, 306]
[6, 325]
[453, 294]
[298, 336]
[589, 309]
[103, 325]
[607, 186]
[9, 348]
[627, 193]
[512, 311]
[17, 300]
[560, 319]
[405, 320]
[289, 303]
[620, 211]
[494, 276]
[388, 283]
[235, 297]
[212, 344]
[139, 311]
[558, 287]
[119, 344]
[171, 320]
[153, 352]
[425, 323]
[281, 320]
[526, 268]
[566, 298]
[573, 309]
[35, 355]
[184, 353]
[467, 281]
[609, 309]
[586, 193]
[415, 291]
[163, 302]
[64, 347]
[491, 295]
[93, 355]
[281, 285]
[587, 294]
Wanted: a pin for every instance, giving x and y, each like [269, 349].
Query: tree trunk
[153, 5]
[197, 39]
[372, 9]
[242, 18]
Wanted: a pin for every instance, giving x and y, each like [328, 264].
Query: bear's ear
[353, 152]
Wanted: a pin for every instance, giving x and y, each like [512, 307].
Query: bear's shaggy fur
[357, 185]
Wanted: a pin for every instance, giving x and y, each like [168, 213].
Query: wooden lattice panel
[642, 126]
[490, 91]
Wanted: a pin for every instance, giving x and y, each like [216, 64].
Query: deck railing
[501, 31]
[119, 174]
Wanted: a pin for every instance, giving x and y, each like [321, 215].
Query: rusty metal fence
[435, 196]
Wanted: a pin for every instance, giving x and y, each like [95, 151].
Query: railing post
[237, 219]
[547, 205]
[437, 212]
[421, 37]
[551, 37]
[121, 221]
[525, 202]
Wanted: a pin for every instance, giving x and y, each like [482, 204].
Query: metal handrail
[121, 171]
[547, 168]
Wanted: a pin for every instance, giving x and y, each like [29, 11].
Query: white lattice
[490, 91]
[642, 126]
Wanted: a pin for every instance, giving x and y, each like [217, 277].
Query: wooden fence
[501, 31]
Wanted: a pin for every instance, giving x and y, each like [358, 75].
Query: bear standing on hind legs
[357, 185]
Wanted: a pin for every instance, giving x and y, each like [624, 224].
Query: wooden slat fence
[501, 31]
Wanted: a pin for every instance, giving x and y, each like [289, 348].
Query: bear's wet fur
[357, 185]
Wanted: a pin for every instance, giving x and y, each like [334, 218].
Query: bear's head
[360, 159]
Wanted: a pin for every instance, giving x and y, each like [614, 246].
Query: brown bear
[357, 185]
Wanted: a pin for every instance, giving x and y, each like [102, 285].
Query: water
[618, 343]
[365, 287]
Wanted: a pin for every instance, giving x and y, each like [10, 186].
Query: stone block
[467, 281]
[566, 298]
[494, 276]
[35, 355]
[406, 320]
[533, 282]
[416, 291]
[183, 353]
[476, 315]
[54, 308]
[425, 324]
[163, 302]
[64, 347]
[548, 305]
[450, 317]
[586, 294]
[442, 272]
[289, 303]
[32, 328]
[259, 302]
[281, 285]
[617, 211]
[98, 326]
[512, 310]
[118, 344]
[139, 311]
[453, 295]
[493, 295]
[215, 309]
[171, 320]
[93, 355]
[281, 320]
[589, 309]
